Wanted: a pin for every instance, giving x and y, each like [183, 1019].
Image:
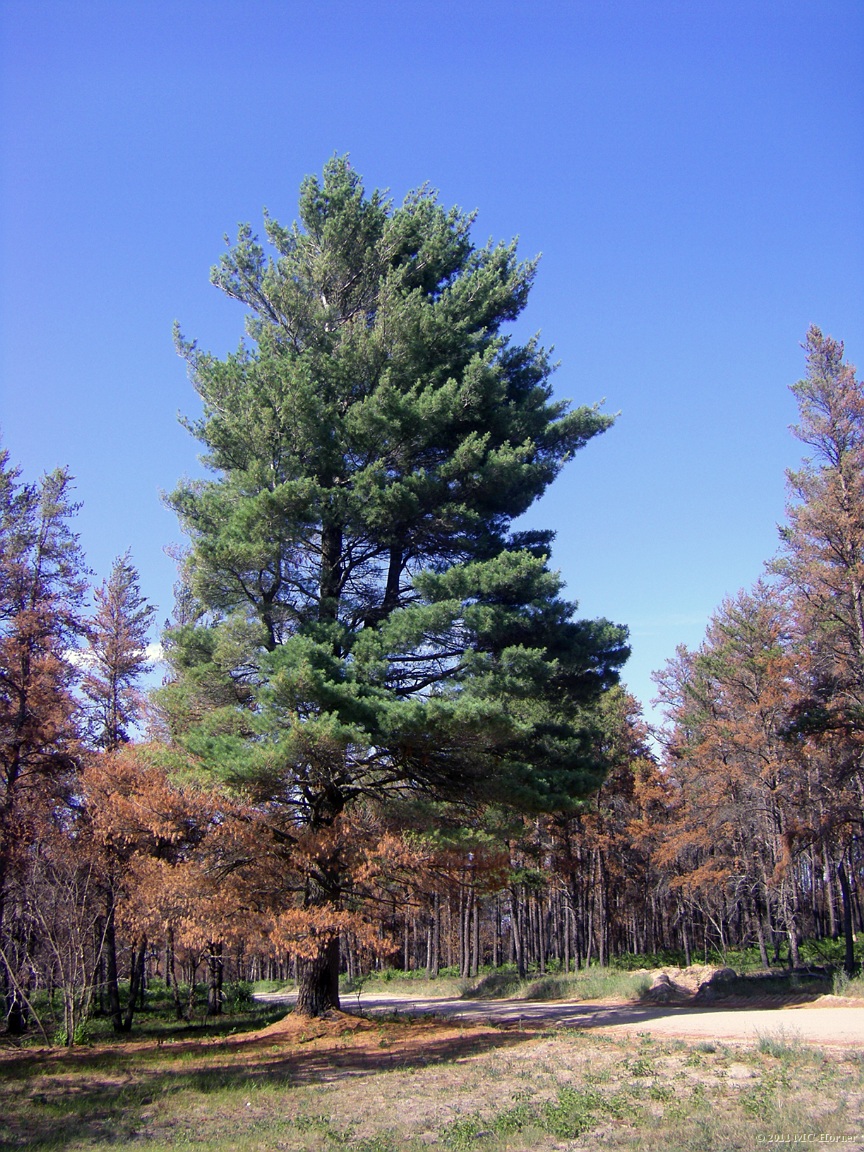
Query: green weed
[851, 986]
[780, 1043]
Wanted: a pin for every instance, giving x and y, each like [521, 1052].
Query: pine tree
[41, 595]
[738, 824]
[116, 659]
[117, 656]
[822, 552]
[368, 625]
[821, 563]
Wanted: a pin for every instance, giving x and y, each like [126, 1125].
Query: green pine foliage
[359, 620]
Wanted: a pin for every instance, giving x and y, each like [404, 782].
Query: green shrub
[237, 996]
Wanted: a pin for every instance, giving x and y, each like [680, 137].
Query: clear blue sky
[691, 173]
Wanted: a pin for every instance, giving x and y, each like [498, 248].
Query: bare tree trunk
[685, 938]
[496, 937]
[849, 958]
[136, 971]
[216, 969]
[756, 920]
[318, 981]
[464, 933]
[170, 973]
[436, 936]
[449, 936]
[112, 986]
[567, 929]
[516, 926]
[475, 960]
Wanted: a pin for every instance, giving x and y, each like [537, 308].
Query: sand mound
[301, 1029]
[666, 991]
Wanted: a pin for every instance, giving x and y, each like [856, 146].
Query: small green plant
[840, 983]
[515, 1119]
[660, 1093]
[780, 1043]
[849, 986]
[238, 996]
[382, 1143]
[641, 1067]
[83, 1034]
[571, 1114]
[464, 1132]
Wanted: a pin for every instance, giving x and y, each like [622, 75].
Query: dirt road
[829, 1021]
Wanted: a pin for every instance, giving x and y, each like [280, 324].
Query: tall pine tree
[364, 622]
[41, 595]
[821, 563]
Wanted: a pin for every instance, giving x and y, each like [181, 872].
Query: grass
[781, 1043]
[592, 984]
[397, 1085]
[157, 1020]
[850, 986]
[595, 983]
[415, 982]
[402, 1086]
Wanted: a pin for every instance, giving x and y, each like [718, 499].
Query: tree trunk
[170, 974]
[135, 973]
[475, 943]
[756, 918]
[436, 936]
[16, 1013]
[496, 937]
[567, 931]
[318, 981]
[216, 969]
[112, 987]
[849, 958]
[685, 939]
[464, 933]
[516, 925]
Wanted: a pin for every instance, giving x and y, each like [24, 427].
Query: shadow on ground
[97, 1096]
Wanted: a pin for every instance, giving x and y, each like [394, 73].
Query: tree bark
[318, 981]
[135, 980]
[216, 969]
[436, 936]
[171, 975]
[516, 924]
[112, 986]
[849, 958]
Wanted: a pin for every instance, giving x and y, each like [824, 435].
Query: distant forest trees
[384, 737]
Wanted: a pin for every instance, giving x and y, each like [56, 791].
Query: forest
[384, 738]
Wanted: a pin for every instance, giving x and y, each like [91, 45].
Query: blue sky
[692, 175]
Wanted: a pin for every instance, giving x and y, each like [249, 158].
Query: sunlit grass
[519, 1091]
[592, 984]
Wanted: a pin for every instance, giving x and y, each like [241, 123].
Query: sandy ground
[829, 1021]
